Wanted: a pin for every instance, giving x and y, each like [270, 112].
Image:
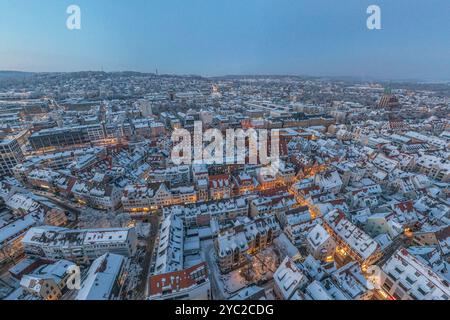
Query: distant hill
[14, 74]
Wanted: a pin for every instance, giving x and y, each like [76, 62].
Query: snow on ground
[91, 218]
[143, 229]
[233, 282]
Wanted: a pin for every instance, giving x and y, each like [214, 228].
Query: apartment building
[11, 236]
[66, 136]
[170, 248]
[177, 175]
[10, 155]
[319, 243]
[104, 279]
[49, 281]
[196, 215]
[99, 192]
[219, 187]
[351, 240]
[405, 277]
[434, 167]
[143, 198]
[235, 245]
[79, 246]
[188, 284]
[288, 278]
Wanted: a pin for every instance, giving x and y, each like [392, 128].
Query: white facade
[404, 277]
[78, 245]
[320, 244]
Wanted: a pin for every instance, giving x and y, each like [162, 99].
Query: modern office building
[66, 136]
[10, 155]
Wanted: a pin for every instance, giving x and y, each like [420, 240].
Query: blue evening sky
[217, 37]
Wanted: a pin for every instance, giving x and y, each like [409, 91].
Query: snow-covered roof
[419, 280]
[101, 278]
[356, 239]
[288, 278]
[317, 236]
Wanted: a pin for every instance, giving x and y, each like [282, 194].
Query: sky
[223, 37]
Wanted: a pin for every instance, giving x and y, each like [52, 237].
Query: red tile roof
[178, 280]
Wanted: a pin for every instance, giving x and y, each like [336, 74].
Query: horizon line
[338, 77]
